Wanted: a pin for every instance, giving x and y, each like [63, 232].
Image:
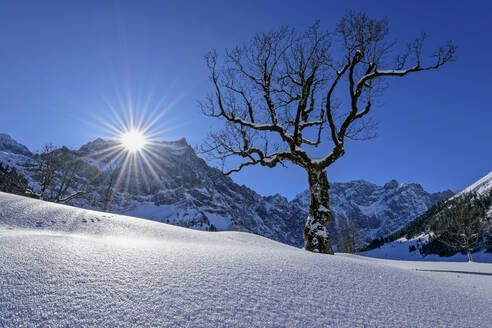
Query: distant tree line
[463, 225]
[411, 230]
[460, 224]
[12, 181]
[57, 173]
[348, 238]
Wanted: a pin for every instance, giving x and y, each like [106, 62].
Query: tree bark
[72, 196]
[109, 190]
[316, 235]
[468, 252]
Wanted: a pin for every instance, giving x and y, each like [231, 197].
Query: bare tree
[12, 181]
[67, 169]
[348, 238]
[58, 170]
[46, 162]
[281, 97]
[462, 224]
[110, 179]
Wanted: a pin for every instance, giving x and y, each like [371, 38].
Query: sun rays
[133, 140]
[131, 147]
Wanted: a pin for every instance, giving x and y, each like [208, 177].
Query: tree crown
[277, 94]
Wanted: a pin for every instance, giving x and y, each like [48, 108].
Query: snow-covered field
[399, 250]
[67, 267]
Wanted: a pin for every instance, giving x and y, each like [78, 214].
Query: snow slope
[8, 144]
[63, 266]
[480, 187]
[183, 190]
[399, 250]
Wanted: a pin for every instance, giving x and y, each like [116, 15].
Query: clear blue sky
[63, 64]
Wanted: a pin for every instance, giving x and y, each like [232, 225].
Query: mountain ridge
[418, 241]
[182, 189]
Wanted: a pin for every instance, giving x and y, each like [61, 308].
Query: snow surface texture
[62, 266]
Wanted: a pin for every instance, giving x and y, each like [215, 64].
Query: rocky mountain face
[377, 210]
[9, 145]
[420, 238]
[174, 185]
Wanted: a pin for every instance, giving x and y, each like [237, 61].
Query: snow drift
[64, 266]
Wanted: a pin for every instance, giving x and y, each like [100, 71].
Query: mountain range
[176, 186]
[419, 241]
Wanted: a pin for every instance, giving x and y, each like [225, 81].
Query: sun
[133, 140]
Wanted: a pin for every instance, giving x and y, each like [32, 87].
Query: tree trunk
[316, 235]
[468, 252]
[109, 191]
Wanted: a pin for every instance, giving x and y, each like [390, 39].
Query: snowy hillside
[183, 190]
[180, 189]
[482, 186]
[8, 144]
[407, 243]
[63, 266]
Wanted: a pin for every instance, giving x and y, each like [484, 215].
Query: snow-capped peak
[480, 187]
[391, 184]
[10, 145]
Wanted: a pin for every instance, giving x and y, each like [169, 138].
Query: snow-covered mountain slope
[480, 187]
[407, 243]
[62, 266]
[8, 144]
[182, 189]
